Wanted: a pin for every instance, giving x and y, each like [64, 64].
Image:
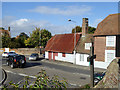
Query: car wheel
[96, 81]
[7, 63]
[12, 65]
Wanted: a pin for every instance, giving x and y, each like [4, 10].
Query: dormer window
[87, 46]
[110, 41]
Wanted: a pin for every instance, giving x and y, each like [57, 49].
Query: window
[81, 57]
[88, 45]
[110, 55]
[110, 41]
[63, 54]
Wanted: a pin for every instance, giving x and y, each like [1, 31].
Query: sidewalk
[72, 65]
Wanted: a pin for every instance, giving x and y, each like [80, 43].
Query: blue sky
[53, 16]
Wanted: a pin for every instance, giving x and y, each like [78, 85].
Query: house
[84, 44]
[3, 31]
[61, 47]
[107, 41]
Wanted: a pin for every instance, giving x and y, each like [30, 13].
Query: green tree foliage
[42, 81]
[78, 29]
[21, 39]
[38, 38]
[45, 36]
[91, 30]
[5, 40]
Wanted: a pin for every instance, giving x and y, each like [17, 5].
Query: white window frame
[109, 51]
[108, 40]
[82, 59]
[88, 45]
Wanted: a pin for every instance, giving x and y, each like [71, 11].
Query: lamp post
[74, 40]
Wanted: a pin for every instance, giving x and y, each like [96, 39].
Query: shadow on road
[33, 63]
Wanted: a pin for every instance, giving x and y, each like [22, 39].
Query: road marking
[82, 74]
[73, 84]
[21, 74]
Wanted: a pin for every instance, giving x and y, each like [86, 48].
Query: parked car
[98, 77]
[5, 54]
[11, 53]
[34, 56]
[16, 61]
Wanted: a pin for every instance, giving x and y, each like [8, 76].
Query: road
[76, 77]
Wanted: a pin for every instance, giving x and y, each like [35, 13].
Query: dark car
[34, 56]
[98, 77]
[16, 61]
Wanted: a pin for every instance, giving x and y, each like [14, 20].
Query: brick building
[107, 40]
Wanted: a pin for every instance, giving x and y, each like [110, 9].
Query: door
[50, 55]
[54, 54]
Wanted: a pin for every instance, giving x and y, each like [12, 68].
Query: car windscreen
[5, 52]
[33, 54]
[11, 52]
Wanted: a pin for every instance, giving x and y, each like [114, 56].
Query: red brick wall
[99, 48]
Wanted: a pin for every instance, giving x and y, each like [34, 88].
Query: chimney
[9, 28]
[84, 27]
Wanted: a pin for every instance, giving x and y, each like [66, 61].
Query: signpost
[91, 60]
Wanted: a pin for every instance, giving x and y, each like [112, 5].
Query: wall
[46, 55]
[25, 51]
[99, 48]
[68, 57]
[99, 64]
[78, 62]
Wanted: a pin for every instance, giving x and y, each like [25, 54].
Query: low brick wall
[25, 51]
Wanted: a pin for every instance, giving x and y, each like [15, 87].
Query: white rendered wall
[67, 58]
[100, 64]
[46, 54]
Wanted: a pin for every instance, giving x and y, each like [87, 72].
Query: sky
[53, 16]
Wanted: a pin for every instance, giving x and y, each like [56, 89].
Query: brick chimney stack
[84, 27]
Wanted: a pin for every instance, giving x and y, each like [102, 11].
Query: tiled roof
[109, 26]
[80, 48]
[62, 43]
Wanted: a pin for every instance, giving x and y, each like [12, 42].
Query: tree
[5, 40]
[21, 39]
[78, 29]
[45, 36]
[91, 30]
[38, 38]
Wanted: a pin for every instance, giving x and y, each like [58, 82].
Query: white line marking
[21, 74]
[73, 84]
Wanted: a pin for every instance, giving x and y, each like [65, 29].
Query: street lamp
[74, 39]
